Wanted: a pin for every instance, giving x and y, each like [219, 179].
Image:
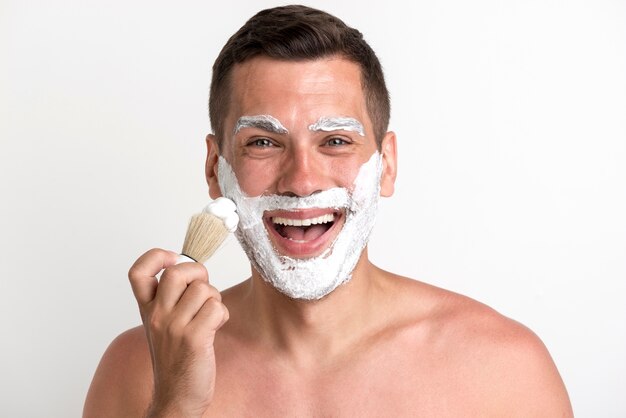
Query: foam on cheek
[310, 278]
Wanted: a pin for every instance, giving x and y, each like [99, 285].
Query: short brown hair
[299, 33]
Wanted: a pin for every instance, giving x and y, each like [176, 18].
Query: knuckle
[198, 285]
[132, 272]
[155, 323]
[185, 272]
[203, 272]
[217, 312]
[173, 274]
[153, 252]
[213, 305]
[190, 339]
[201, 289]
[215, 293]
[199, 272]
[226, 313]
[205, 290]
[174, 330]
[135, 269]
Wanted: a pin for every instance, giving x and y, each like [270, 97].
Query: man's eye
[261, 142]
[333, 142]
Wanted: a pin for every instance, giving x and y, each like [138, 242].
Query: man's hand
[181, 314]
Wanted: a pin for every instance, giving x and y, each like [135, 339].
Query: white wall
[511, 117]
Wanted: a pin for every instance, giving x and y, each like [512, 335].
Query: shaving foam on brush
[208, 229]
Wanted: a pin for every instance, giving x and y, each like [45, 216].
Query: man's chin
[300, 275]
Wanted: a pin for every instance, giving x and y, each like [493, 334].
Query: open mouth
[303, 229]
[303, 233]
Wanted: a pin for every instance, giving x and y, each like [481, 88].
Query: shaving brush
[208, 229]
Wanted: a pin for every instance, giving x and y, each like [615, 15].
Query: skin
[380, 345]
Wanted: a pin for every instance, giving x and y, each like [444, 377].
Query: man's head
[296, 149]
[298, 33]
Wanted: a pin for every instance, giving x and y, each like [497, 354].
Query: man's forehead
[261, 79]
[263, 66]
[278, 96]
[272, 124]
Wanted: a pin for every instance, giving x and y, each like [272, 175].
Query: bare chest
[378, 384]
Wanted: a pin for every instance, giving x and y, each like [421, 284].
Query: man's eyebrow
[329, 124]
[266, 122]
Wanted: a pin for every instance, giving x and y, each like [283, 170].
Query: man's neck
[308, 331]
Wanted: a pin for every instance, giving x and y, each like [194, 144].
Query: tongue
[304, 233]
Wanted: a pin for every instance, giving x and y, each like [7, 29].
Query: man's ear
[212, 155]
[390, 164]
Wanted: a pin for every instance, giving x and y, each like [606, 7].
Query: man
[299, 110]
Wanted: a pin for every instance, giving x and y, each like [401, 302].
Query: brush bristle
[205, 233]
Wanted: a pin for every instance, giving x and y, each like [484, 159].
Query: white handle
[184, 259]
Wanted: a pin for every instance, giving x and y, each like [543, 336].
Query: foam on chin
[307, 278]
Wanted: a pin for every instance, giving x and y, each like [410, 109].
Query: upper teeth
[304, 222]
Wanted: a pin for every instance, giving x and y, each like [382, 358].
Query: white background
[511, 118]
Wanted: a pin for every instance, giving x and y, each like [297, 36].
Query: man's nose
[302, 174]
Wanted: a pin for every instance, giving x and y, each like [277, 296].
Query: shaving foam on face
[266, 122]
[307, 278]
[329, 124]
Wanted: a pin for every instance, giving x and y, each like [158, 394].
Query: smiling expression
[295, 129]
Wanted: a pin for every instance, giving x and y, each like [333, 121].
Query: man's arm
[513, 369]
[122, 384]
[504, 367]
[536, 388]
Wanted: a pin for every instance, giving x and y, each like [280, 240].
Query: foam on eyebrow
[266, 122]
[328, 124]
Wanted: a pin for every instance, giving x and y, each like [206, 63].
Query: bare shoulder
[498, 358]
[122, 384]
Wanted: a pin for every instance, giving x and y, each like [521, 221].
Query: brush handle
[184, 259]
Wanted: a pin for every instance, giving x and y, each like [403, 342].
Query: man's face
[295, 129]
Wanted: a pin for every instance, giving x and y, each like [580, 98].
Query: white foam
[266, 122]
[329, 124]
[224, 209]
[307, 278]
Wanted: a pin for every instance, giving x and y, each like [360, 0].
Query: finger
[211, 316]
[142, 274]
[193, 299]
[174, 282]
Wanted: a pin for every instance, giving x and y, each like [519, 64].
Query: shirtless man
[299, 110]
